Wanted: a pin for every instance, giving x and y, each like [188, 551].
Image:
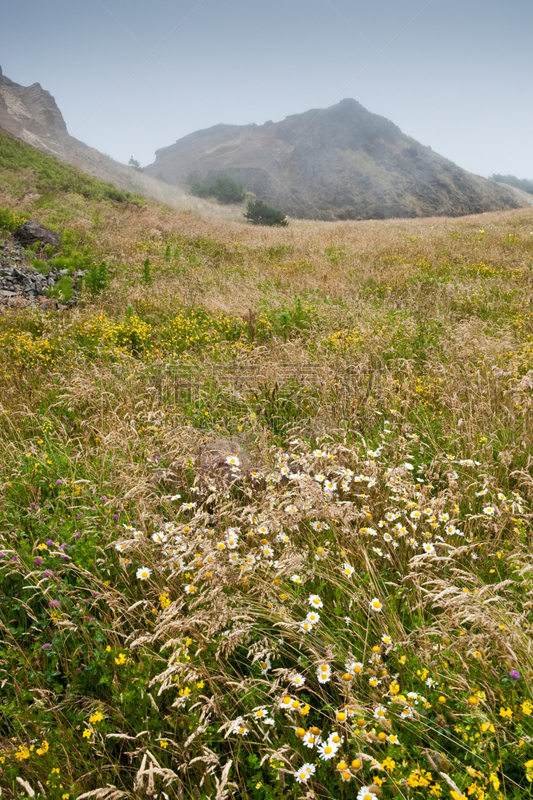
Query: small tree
[135, 164]
[260, 213]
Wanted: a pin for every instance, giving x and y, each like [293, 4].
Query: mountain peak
[341, 162]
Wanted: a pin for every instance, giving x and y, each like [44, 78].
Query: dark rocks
[21, 285]
[33, 231]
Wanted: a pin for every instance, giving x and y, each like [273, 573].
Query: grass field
[266, 508]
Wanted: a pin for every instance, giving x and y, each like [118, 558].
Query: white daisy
[143, 573]
[315, 601]
[297, 680]
[327, 750]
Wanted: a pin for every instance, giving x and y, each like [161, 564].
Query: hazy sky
[131, 76]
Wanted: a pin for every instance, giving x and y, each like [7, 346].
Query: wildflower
[311, 739]
[375, 605]
[47, 646]
[393, 739]
[365, 793]
[348, 570]
[302, 775]
[380, 712]
[159, 537]
[143, 573]
[242, 730]
[265, 666]
[355, 667]
[386, 639]
[313, 617]
[327, 750]
[319, 526]
[189, 588]
[86, 734]
[296, 579]
[514, 674]
[489, 511]
[176, 497]
[323, 673]
[506, 712]
[297, 680]
[527, 707]
[429, 548]
[315, 601]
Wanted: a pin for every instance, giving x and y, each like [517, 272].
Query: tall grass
[266, 517]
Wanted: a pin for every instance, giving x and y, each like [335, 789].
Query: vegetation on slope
[224, 188]
[266, 511]
[512, 180]
[51, 175]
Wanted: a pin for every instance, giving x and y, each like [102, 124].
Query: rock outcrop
[342, 162]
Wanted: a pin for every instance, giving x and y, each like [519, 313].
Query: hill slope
[337, 163]
[32, 115]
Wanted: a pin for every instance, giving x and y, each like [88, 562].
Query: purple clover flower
[47, 646]
[50, 543]
[514, 674]
[37, 561]
[59, 480]
[54, 603]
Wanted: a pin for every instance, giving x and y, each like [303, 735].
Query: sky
[132, 76]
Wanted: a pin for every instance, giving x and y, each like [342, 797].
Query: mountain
[30, 113]
[342, 162]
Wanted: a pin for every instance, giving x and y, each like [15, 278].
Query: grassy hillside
[266, 509]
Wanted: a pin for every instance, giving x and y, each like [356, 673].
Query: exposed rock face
[337, 163]
[31, 114]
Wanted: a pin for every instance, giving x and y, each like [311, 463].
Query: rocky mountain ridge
[342, 162]
[31, 113]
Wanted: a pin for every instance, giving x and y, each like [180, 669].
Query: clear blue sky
[131, 76]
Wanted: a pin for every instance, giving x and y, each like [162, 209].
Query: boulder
[33, 231]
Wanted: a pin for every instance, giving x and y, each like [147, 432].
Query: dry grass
[381, 344]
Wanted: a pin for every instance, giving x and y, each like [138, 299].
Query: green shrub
[260, 213]
[9, 220]
[224, 188]
[97, 278]
[63, 289]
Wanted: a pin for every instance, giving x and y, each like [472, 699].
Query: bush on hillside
[260, 213]
[224, 188]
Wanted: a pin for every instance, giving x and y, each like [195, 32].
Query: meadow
[266, 507]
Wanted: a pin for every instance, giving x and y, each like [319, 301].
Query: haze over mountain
[342, 162]
[30, 113]
[338, 163]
